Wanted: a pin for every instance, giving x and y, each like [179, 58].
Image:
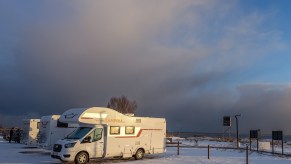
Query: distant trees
[122, 105]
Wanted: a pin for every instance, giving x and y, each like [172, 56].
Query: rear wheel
[81, 158]
[139, 154]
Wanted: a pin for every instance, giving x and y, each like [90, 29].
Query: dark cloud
[262, 106]
[265, 106]
[162, 54]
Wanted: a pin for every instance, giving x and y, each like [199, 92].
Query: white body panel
[144, 133]
[50, 132]
[30, 131]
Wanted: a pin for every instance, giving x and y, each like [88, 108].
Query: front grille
[57, 148]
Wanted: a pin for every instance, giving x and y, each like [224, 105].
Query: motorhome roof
[82, 115]
[30, 120]
[49, 117]
[96, 115]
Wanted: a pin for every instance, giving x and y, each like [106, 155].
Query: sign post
[277, 135]
[247, 155]
[255, 134]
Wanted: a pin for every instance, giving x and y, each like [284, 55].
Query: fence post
[272, 146]
[178, 148]
[282, 147]
[208, 151]
[257, 144]
[247, 154]
[250, 143]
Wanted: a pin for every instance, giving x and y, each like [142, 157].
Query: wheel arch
[139, 148]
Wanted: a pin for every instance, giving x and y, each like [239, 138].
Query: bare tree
[122, 105]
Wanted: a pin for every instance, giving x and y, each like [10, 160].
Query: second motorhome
[30, 131]
[51, 130]
[104, 132]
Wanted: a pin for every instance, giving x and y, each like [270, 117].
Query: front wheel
[139, 154]
[81, 158]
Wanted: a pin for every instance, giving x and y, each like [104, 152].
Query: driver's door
[95, 143]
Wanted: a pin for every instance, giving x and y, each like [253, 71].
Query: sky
[190, 61]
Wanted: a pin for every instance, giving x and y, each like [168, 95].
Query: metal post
[258, 137]
[247, 154]
[178, 148]
[236, 119]
[250, 143]
[258, 144]
[272, 145]
[208, 151]
[236, 132]
[282, 147]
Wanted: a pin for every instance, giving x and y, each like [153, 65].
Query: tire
[81, 158]
[139, 154]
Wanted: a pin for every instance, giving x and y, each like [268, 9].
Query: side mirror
[87, 139]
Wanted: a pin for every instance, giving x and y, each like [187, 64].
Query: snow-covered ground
[217, 142]
[18, 153]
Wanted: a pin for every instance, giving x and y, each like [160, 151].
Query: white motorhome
[51, 130]
[104, 133]
[30, 131]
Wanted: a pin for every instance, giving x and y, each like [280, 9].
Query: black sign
[255, 134]
[277, 135]
[226, 121]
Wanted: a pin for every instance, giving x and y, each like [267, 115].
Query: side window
[37, 125]
[115, 130]
[129, 130]
[97, 134]
[89, 137]
[62, 125]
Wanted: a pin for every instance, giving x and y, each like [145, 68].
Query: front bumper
[64, 155]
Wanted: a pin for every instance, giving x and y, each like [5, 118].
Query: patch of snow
[18, 153]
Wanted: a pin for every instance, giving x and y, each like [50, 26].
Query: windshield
[79, 133]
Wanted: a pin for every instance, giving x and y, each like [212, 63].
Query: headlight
[69, 145]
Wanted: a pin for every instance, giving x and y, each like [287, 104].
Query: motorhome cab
[51, 130]
[104, 133]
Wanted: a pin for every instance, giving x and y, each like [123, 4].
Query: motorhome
[30, 131]
[105, 133]
[51, 130]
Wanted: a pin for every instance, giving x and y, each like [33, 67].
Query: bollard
[178, 148]
[247, 154]
[208, 151]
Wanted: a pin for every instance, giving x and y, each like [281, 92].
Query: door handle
[100, 142]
